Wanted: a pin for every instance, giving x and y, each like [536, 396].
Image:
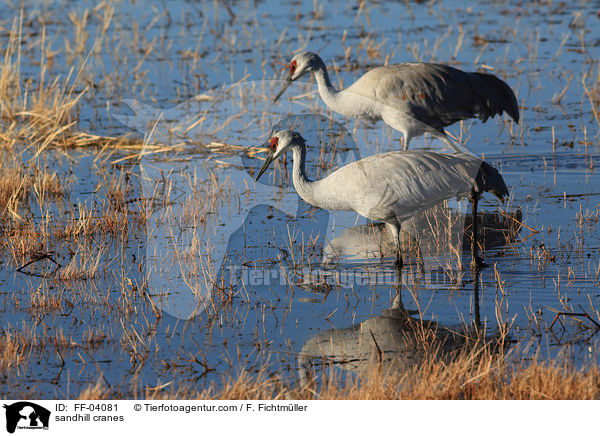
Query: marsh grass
[479, 373]
[71, 245]
[39, 114]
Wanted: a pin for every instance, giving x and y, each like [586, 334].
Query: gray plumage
[393, 186]
[413, 98]
[389, 187]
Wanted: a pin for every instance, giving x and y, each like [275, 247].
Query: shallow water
[267, 245]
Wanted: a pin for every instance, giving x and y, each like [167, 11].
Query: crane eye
[273, 143]
[293, 67]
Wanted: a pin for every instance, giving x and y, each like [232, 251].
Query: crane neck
[326, 90]
[325, 193]
[302, 184]
[349, 104]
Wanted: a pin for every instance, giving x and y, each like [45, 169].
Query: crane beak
[288, 82]
[270, 159]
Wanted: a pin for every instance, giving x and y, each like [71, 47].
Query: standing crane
[413, 98]
[391, 187]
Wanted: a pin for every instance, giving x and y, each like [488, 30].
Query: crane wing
[437, 95]
[394, 186]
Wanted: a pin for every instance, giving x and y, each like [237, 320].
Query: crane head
[301, 64]
[279, 144]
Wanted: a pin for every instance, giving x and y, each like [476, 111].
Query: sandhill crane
[393, 186]
[413, 98]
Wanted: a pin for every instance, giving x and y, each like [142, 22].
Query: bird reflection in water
[436, 242]
[397, 341]
[400, 339]
[439, 232]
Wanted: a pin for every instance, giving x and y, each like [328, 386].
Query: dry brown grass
[477, 375]
[44, 301]
[17, 345]
[26, 191]
[97, 391]
[13, 184]
[542, 380]
[20, 343]
[82, 266]
[38, 113]
[21, 242]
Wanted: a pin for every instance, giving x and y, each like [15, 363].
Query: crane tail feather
[496, 96]
[490, 180]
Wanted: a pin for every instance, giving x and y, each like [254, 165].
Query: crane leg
[477, 316]
[399, 261]
[407, 139]
[476, 262]
[444, 137]
[395, 232]
[397, 303]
